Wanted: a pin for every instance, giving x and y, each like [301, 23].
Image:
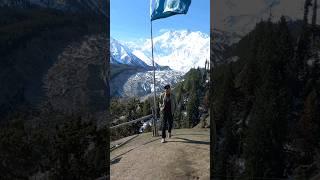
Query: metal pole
[155, 130]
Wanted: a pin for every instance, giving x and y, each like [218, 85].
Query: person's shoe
[169, 135]
[163, 140]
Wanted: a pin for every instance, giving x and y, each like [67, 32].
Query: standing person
[167, 108]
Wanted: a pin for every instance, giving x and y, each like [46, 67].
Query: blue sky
[130, 19]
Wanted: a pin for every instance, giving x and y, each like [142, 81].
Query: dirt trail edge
[186, 155]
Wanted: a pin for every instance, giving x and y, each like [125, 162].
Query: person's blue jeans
[166, 123]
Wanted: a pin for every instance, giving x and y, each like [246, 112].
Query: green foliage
[30, 40]
[224, 117]
[267, 133]
[193, 80]
[62, 151]
[192, 109]
[70, 144]
[228, 149]
[192, 86]
[18, 156]
[146, 110]
[117, 109]
[268, 126]
[179, 91]
[223, 96]
[252, 104]
[129, 109]
[133, 108]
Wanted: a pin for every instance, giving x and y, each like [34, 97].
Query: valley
[131, 63]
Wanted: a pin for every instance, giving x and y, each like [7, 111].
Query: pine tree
[268, 124]
[309, 126]
[146, 108]
[267, 132]
[307, 4]
[227, 150]
[223, 97]
[303, 51]
[192, 108]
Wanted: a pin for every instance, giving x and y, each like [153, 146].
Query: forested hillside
[53, 95]
[30, 42]
[192, 99]
[265, 105]
[192, 106]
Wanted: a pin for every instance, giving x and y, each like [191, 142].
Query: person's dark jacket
[162, 103]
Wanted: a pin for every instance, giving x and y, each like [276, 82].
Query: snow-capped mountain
[95, 6]
[121, 54]
[144, 58]
[138, 80]
[141, 83]
[241, 16]
[180, 50]
[221, 41]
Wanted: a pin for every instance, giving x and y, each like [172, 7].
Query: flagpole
[155, 129]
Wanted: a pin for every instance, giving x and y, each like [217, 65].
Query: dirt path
[185, 156]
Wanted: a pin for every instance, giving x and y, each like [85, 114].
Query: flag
[165, 8]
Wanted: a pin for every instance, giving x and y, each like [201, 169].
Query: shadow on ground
[117, 158]
[190, 141]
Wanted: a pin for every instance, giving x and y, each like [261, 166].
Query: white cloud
[163, 30]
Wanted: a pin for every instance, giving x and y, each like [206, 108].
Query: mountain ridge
[241, 16]
[181, 50]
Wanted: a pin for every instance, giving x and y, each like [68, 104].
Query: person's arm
[160, 103]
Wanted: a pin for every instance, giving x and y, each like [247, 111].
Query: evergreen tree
[224, 115]
[70, 145]
[309, 126]
[269, 89]
[223, 97]
[192, 109]
[268, 124]
[146, 108]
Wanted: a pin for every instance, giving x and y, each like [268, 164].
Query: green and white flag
[165, 8]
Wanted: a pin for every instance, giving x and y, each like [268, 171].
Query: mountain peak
[181, 50]
[177, 33]
[122, 54]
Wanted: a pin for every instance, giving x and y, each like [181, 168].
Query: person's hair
[167, 86]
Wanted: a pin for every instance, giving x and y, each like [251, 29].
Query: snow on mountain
[141, 84]
[241, 16]
[121, 54]
[144, 58]
[137, 82]
[225, 38]
[180, 50]
[221, 41]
